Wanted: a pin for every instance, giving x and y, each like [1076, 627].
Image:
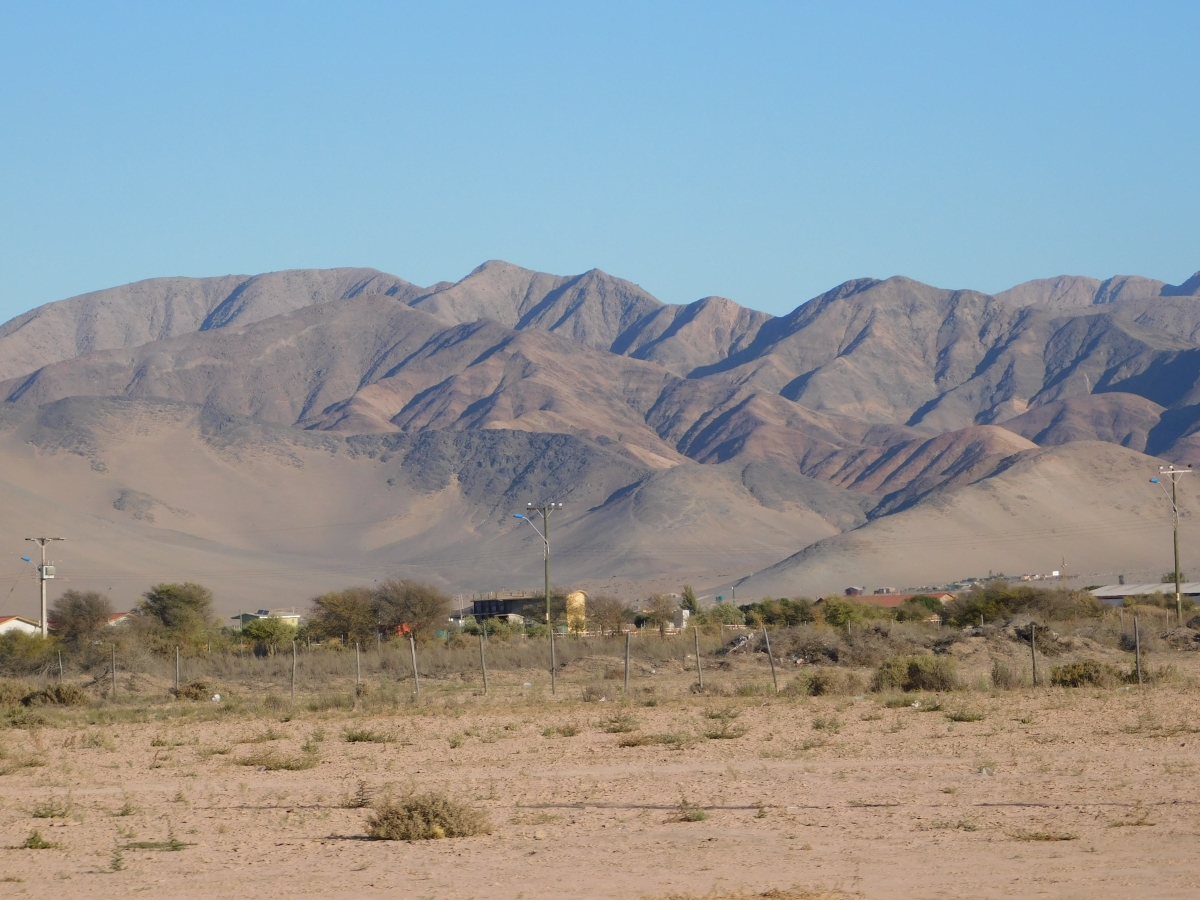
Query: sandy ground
[1053, 792]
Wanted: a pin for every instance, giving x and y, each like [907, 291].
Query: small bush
[725, 731]
[35, 841]
[1005, 677]
[823, 681]
[593, 693]
[965, 715]
[924, 672]
[363, 736]
[13, 691]
[426, 817]
[196, 689]
[272, 760]
[1086, 672]
[58, 695]
[22, 717]
[54, 808]
[619, 724]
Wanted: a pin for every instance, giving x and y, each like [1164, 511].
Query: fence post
[1137, 648]
[1033, 649]
[357, 667]
[553, 664]
[114, 671]
[771, 658]
[699, 671]
[628, 636]
[60, 669]
[293, 670]
[483, 663]
[176, 671]
[412, 646]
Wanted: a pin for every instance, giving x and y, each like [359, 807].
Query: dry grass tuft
[426, 817]
[361, 735]
[1023, 835]
[273, 760]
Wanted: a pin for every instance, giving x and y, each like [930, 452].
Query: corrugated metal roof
[1119, 591]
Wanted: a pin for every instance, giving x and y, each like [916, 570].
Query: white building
[19, 623]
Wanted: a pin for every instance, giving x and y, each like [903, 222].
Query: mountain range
[280, 434]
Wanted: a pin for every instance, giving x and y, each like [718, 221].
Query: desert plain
[667, 792]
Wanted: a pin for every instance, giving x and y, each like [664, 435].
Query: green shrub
[823, 681]
[272, 760]
[58, 695]
[196, 689]
[35, 841]
[1085, 673]
[1004, 676]
[13, 691]
[360, 735]
[924, 672]
[426, 817]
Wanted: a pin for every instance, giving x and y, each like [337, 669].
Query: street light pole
[43, 576]
[545, 509]
[1174, 474]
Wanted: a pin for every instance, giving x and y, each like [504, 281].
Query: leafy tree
[608, 613]
[689, 600]
[781, 613]
[396, 602]
[178, 614]
[1000, 600]
[721, 614]
[347, 613]
[840, 613]
[269, 632]
[933, 604]
[660, 612]
[79, 617]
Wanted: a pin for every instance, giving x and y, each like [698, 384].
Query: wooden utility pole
[553, 664]
[699, 671]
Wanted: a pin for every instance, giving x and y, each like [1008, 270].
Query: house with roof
[19, 623]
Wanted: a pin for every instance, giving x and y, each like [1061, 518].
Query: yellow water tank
[577, 611]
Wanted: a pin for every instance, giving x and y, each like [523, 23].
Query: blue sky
[764, 152]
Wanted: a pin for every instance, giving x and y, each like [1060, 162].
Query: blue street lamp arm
[535, 528]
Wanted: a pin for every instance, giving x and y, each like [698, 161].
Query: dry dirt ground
[1049, 792]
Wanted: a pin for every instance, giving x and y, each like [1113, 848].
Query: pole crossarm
[1174, 474]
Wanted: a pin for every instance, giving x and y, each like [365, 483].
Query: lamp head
[518, 516]
[1154, 481]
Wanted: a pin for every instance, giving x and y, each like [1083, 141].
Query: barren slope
[1089, 501]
